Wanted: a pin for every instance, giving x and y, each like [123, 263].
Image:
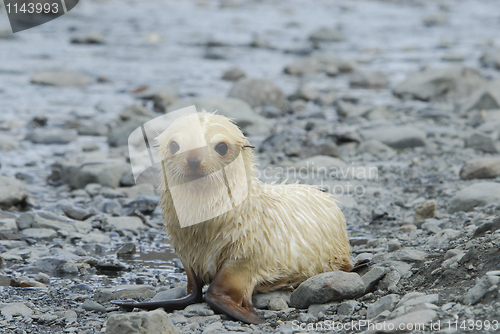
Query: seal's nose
[194, 163]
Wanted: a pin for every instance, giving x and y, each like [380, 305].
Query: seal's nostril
[194, 162]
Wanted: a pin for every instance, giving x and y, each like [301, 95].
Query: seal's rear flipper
[231, 293]
[360, 265]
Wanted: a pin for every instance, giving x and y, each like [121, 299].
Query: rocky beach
[393, 106]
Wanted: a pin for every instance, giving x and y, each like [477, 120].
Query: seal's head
[205, 162]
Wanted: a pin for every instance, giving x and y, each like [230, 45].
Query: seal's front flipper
[194, 296]
[167, 305]
[231, 293]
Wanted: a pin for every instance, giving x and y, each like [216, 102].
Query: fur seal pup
[234, 232]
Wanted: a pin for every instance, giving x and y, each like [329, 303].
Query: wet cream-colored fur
[284, 233]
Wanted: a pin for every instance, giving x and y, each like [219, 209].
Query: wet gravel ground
[70, 247]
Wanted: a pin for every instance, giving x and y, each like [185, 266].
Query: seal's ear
[248, 146]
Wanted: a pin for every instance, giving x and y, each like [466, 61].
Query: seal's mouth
[193, 176]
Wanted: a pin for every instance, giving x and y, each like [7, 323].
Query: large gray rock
[398, 137]
[479, 194]
[60, 78]
[12, 192]
[481, 168]
[78, 170]
[327, 287]
[432, 84]
[258, 92]
[248, 120]
[156, 321]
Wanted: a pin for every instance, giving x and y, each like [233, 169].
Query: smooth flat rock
[12, 192]
[50, 137]
[479, 194]
[61, 78]
[431, 83]
[327, 287]
[398, 137]
[481, 168]
[156, 321]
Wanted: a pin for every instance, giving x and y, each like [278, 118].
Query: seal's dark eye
[174, 147]
[221, 148]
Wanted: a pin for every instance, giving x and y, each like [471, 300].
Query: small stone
[482, 287]
[170, 294]
[393, 245]
[16, 309]
[92, 38]
[372, 80]
[435, 19]
[425, 210]
[481, 142]
[233, 74]
[198, 309]
[277, 300]
[398, 137]
[137, 291]
[386, 303]
[372, 277]
[347, 308]
[122, 224]
[127, 249]
[407, 228]
[156, 321]
[43, 278]
[38, 233]
[258, 92]
[326, 34]
[306, 65]
[90, 305]
[443, 237]
[326, 287]
[481, 168]
[12, 192]
[431, 225]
